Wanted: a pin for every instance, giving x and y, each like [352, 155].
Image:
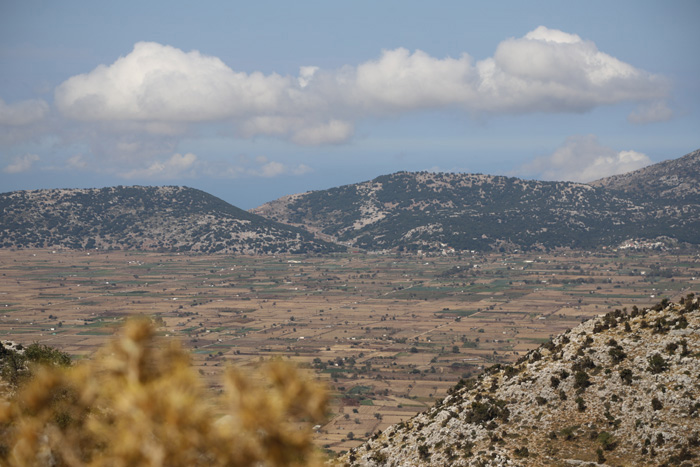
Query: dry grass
[139, 402]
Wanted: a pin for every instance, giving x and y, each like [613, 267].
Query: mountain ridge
[406, 212]
[425, 211]
[169, 218]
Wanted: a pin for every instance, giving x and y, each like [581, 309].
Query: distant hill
[620, 389]
[167, 218]
[434, 211]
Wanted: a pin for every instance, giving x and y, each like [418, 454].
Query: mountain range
[405, 211]
[434, 211]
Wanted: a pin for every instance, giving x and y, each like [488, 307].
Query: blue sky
[254, 100]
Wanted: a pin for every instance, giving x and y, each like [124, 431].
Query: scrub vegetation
[139, 402]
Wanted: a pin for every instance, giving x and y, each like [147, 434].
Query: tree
[626, 376]
[600, 457]
[581, 380]
[423, 452]
[657, 364]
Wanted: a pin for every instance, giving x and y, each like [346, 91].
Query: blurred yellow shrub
[139, 402]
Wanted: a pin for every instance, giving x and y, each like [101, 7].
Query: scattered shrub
[554, 382]
[17, 367]
[581, 364]
[423, 452]
[568, 433]
[626, 376]
[482, 412]
[606, 441]
[600, 457]
[671, 348]
[657, 364]
[581, 380]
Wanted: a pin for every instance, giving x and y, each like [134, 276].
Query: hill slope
[621, 389]
[672, 179]
[147, 218]
[431, 211]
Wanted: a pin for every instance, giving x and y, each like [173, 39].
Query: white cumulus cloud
[272, 169]
[583, 159]
[268, 169]
[160, 83]
[545, 71]
[178, 165]
[657, 111]
[400, 80]
[335, 131]
[21, 164]
[552, 71]
[162, 89]
[76, 161]
[23, 113]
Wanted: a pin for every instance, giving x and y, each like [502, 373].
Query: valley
[390, 333]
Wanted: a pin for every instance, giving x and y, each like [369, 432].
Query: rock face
[441, 211]
[621, 389]
[167, 218]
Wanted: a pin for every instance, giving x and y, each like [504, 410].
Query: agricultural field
[389, 333]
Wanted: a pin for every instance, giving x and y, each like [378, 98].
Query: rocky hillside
[622, 389]
[675, 179]
[145, 218]
[437, 211]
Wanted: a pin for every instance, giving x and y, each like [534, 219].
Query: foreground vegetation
[140, 402]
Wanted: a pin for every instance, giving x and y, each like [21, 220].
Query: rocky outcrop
[620, 389]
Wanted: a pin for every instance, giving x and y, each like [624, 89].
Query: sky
[251, 101]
